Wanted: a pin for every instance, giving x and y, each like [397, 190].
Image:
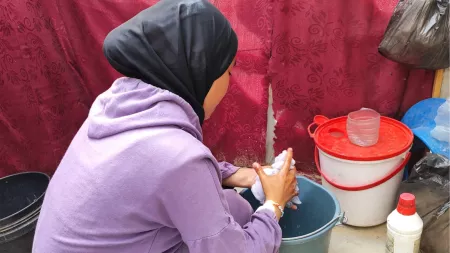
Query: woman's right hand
[281, 187]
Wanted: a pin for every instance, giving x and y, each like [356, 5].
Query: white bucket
[365, 180]
[366, 207]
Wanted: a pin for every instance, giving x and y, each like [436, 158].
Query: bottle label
[390, 242]
[417, 246]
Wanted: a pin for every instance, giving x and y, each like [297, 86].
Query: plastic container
[363, 127]
[307, 229]
[442, 130]
[404, 227]
[420, 118]
[443, 114]
[364, 179]
[21, 197]
[441, 133]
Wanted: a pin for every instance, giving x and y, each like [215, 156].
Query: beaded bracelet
[276, 205]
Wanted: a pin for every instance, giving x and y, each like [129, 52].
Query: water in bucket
[307, 229]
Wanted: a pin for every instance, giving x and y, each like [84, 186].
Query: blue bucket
[307, 229]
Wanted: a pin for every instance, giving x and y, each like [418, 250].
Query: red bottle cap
[407, 204]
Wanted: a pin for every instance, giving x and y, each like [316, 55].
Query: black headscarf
[181, 46]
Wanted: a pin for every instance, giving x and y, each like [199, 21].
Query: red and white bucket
[365, 180]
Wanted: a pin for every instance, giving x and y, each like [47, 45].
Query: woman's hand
[281, 187]
[244, 178]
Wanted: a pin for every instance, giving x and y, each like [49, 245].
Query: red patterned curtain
[52, 68]
[325, 61]
[320, 57]
[42, 98]
[237, 131]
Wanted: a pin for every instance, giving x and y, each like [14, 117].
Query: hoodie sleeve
[197, 208]
[227, 169]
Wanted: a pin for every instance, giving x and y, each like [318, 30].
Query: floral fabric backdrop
[325, 61]
[320, 57]
[52, 68]
[237, 130]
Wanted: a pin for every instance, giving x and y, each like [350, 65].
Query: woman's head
[183, 46]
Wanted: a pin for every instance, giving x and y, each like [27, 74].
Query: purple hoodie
[138, 179]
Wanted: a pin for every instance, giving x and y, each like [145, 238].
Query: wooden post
[437, 85]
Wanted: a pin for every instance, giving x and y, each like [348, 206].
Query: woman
[137, 178]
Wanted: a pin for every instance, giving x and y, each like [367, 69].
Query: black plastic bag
[429, 182]
[418, 34]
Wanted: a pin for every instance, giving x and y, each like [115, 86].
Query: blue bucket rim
[325, 228]
[338, 216]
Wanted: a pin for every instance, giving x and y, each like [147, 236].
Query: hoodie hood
[132, 104]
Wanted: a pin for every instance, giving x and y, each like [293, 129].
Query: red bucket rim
[375, 153]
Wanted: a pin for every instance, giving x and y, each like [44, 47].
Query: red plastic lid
[407, 204]
[395, 138]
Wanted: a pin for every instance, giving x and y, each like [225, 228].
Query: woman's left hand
[244, 178]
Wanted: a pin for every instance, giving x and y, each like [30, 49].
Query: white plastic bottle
[404, 227]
